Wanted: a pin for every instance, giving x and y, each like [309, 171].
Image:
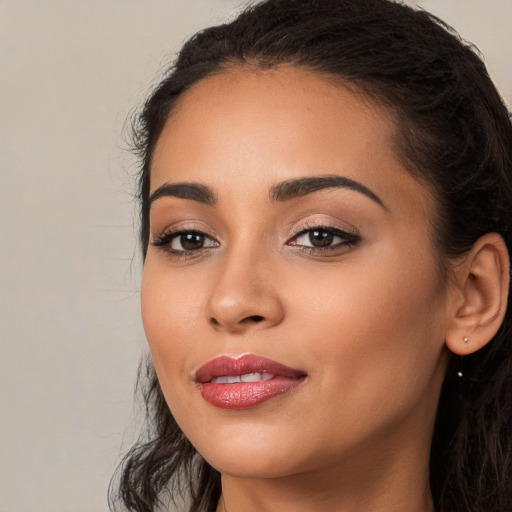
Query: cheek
[382, 331]
[169, 314]
[169, 327]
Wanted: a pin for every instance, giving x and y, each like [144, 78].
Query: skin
[366, 321]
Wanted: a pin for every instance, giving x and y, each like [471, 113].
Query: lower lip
[244, 395]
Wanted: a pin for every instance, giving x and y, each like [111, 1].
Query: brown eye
[324, 238]
[320, 238]
[188, 242]
[176, 242]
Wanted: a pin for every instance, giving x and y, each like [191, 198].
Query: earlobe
[482, 282]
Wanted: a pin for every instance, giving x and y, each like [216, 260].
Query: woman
[326, 193]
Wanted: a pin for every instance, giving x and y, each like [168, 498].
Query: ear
[479, 296]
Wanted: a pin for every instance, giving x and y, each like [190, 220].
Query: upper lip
[242, 365]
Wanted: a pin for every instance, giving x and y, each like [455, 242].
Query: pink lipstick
[247, 381]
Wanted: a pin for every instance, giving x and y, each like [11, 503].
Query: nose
[244, 296]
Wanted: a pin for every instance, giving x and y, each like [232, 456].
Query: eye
[324, 238]
[184, 241]
[190, 242]
[318, 238]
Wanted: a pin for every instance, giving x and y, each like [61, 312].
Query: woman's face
[290, 296]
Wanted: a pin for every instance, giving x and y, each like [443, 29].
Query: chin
[254, 465]
[250, 454]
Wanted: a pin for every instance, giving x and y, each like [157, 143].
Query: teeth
[248, 377]
[254, 377]
[226, 379]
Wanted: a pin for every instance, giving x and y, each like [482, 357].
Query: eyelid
[348, 237]
[186, 226]
[326, 224]
[165, 237]
[344, 238]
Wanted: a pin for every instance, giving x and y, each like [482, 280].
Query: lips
[247, 381]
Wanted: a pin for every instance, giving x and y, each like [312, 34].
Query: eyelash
[348, 239]
[165, 240]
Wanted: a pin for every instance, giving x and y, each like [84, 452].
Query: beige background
[71, 337]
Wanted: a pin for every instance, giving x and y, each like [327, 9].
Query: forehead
[245, 128]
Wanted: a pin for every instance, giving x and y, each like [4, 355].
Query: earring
[459, 373]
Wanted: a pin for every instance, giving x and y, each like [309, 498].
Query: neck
[304, 494]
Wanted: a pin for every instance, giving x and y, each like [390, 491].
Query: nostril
[233, 323]
[248, 319]
[253, 318]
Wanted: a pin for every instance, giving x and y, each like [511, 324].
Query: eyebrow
[299, 187]
[194, 191]
[284, 191]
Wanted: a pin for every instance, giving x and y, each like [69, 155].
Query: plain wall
[71, 337]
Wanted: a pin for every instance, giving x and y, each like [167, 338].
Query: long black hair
[453, 132]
